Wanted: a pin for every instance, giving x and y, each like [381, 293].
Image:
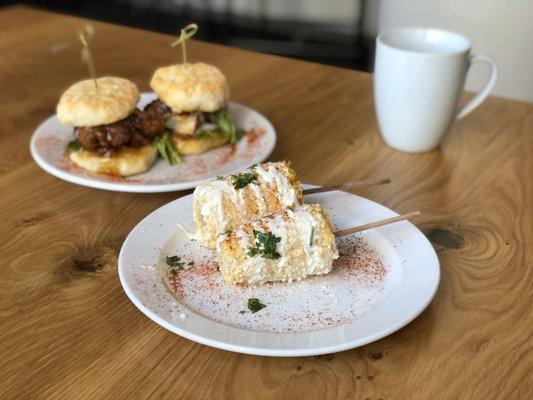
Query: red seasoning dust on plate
[49, 142]
[195, 165]
[355, 285]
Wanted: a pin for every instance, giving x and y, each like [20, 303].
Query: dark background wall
[329, 32]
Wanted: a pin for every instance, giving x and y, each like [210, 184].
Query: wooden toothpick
[346, 186]
[86, 35]
[376, 224]
[186, 33]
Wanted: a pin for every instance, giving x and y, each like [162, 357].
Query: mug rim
[465, 49]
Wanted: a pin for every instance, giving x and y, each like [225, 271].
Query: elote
[232, 200]
[286, 246]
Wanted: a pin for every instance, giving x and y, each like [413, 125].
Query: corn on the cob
[286, 246]
[232, 200]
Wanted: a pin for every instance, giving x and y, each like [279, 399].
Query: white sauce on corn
[256, 266]
[260, 199]
[286, 192]
[317, 257]
[208, 199]
[307, 225]
[209, 196]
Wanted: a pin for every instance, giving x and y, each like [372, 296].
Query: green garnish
[312, 236]
[166, 150]
[254, 305]
[207, 133]
[73, 145]
[224, 122]
[253, 251]
[240, 134]
[244, 179]
[265, 245]
[175, 264]
[190, 263]
[220, 178]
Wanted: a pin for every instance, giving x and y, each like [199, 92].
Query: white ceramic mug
[418, 80]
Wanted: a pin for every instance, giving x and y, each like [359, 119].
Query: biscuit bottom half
[190, 145]
[126, 162]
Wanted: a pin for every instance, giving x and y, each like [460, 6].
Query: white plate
[384, 279]
[48, 143]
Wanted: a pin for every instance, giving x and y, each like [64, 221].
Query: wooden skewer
[86, 36]
[376, 224]
[186, 33]
[346, 186]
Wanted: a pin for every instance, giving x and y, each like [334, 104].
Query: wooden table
[69, 331]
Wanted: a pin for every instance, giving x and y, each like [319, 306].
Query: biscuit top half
[84, 104]
[191, 87]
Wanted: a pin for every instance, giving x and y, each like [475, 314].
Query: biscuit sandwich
[112, 135]
[192, 100]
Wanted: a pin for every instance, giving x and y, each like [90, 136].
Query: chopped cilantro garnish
[174, 261]
[254, 305]
[265, 245]
[166, 150]
[175, 264]
[73, 145]
[253, 251]
[190, 263]
[243, 179]
[312, 236]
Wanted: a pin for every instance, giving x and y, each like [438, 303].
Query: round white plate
[48, 143]
[383, 280]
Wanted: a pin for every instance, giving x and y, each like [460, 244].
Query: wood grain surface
[67, 330]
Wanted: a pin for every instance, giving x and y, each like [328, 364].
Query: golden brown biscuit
[190, 145]
[83, 104]
[127, 161]
[191, 87]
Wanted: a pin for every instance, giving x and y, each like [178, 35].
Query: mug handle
[482, 95]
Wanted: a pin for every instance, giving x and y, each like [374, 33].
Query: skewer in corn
[232, 200]
[346, 187]
[287, 246]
